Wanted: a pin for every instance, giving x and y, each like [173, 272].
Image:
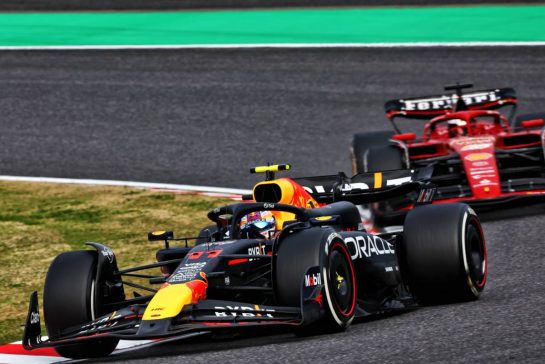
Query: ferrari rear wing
[366, 188]
[427, 107]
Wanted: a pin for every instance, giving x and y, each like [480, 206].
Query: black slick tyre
[324, 248]
[383, 158]
[444, 253]
[362, 142]
[69, 300]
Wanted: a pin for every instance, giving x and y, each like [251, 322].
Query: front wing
[201, 318]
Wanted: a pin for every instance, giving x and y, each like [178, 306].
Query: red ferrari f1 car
[279, 260]
[473, 153]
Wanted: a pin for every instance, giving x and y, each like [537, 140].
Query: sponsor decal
[187, 272]
[482, 170]
[225, 311]
[398, 181]
[486, 182]
[108, 253]
[268, 205]
[367, 246]
[443, 102]
[220, 243]
[476, 146]
[470, 141]
[34, 318]
[312, 280]
[426, 195]
[478, 156]
[478, 177]
[257, 250]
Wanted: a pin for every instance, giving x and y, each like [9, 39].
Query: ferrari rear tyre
[362, 142]
[445, 253]
[326, 249]
[69, 300]
[383, 158]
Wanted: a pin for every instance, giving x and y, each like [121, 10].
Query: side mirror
[160, 235]
[406, 137]
[532, 123]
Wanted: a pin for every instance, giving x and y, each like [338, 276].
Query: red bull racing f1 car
[297, 256]
[473, 153]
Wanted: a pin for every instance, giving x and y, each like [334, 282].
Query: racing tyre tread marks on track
[446, 261]
[326, 249]
[68, 295]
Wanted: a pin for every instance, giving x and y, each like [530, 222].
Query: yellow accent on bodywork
[378, 180]
[158, 232]
[168, 302]
[273, 168]
[323, 218]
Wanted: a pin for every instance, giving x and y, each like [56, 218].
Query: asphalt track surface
[207, 116]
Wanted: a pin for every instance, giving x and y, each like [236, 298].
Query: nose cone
[168, 302]
[171, 298]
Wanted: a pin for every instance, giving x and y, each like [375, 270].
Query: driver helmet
[457, 127]
[258, 225]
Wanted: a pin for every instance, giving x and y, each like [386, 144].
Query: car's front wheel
[323, 248]
[70, 299]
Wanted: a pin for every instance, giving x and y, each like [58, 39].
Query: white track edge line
[101, 182]
[29, 359]
[277, 45]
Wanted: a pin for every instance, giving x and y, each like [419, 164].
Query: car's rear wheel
[327, 250]
[70, 300]
[362, 142]
[383, 158]
[445, 253]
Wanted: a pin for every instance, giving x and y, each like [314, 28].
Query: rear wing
[427, 107]
[366, 188]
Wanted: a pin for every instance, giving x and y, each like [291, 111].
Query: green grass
[39, 221]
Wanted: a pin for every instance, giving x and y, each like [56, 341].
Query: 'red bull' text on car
[475, 154]
[265, 263]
